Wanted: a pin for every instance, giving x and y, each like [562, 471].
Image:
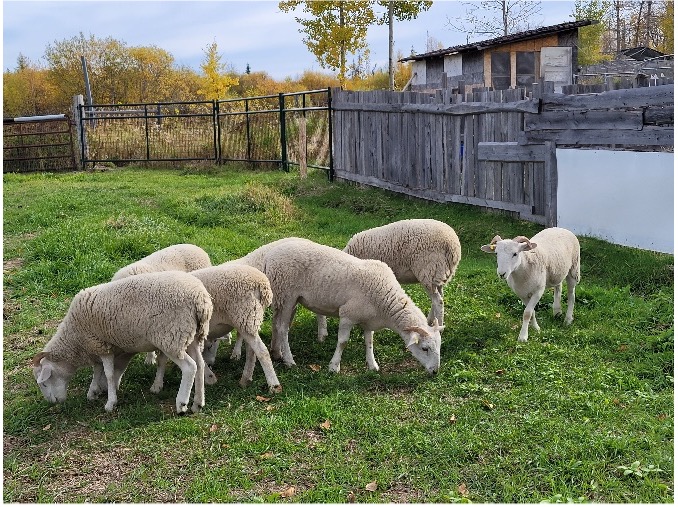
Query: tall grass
[581, 413]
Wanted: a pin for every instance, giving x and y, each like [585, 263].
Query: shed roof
[504, 39]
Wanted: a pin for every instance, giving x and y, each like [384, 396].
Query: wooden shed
[509, 61]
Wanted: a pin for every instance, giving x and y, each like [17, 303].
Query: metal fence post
[148, 137]
[283, 134]
[247, 131]
[216, 129]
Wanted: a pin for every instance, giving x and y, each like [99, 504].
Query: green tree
[333, 29]
[591, 37]
[215, 81]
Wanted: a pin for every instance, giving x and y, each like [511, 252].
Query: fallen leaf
[47, 427]
[622, 348]
[267, 455]
[214, 428]
[487, 405]
[499, 372]
[463, 490]
[315, 367]
[262, 398]
[270, 408]
[661, 417]
[372, 486]
[497, 315]
[289, 492]
[351, 497]
[453, 418]
[326, 425]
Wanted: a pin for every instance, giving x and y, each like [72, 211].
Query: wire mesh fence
[37, 144]
[278, 130]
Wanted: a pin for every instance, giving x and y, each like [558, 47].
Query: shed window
[526, 68]
[501, 71]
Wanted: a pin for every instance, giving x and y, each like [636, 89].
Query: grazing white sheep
[531, 265]
[181, 257]
[240, 294]
[360, 292]
[421, 251]
[108, 323]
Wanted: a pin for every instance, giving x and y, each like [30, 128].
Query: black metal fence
[38, 144]
[283, 130]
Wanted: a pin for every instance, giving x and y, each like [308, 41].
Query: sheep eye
[515, 254]
[425, 349]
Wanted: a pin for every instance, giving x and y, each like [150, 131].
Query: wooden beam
[511, 152]
[551, 184]
[585, 120]
[465, 108]
[615, 99]
[649, 136]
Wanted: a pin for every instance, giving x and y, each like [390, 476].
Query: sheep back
[165, 310]
[558, 254]
[182, 257]
[240, 294]
[417, 250]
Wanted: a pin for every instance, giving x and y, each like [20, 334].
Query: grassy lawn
[581, 413]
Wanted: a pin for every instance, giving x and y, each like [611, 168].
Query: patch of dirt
[402, 493]
[12, 265]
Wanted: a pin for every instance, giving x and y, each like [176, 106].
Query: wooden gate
[38, 143]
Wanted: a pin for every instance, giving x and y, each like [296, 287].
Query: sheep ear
[436, 327]
[45, 373]
[489, 248]
[414, 339]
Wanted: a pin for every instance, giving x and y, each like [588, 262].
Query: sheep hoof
[235, 355]
[244, 382]
[210, 379]
[196, 408]
[109, 407]
[374, 367]
[335, 368]
[522, 339]
[275, 389]
[93, 395]
[156, 388]
[182, 409]
[569, 320]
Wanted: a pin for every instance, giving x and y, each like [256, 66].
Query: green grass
[581, 413]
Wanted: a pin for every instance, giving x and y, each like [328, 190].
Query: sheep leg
[108, 362]
[209, 353]
[571, 284]
[369, 350]
[150, 358]
[345, 326]
[529, 315]
[435, 292]
[98, 377]
[557, 296]
[188, 370]
[322, 327]
[195, 353]
[237, 349]
[280, 346]
[256, 347]
[161, 360]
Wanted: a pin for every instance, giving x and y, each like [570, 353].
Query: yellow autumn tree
[215, 80]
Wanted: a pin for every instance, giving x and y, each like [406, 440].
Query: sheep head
[423, 342]
[509, 253]
[52, 377]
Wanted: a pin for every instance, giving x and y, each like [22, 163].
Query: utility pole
[391, 63]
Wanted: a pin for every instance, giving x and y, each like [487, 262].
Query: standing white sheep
[531, 265]
[240, 295]
[421, 251]
[361, 292]
[108, 323]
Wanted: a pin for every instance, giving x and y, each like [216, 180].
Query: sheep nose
[501, 275]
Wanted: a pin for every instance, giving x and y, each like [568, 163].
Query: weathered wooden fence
[426, 145]
[491, 149]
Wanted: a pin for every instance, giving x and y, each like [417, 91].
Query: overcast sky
[246, 32]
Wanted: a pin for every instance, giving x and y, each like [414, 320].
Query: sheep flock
[174, 305]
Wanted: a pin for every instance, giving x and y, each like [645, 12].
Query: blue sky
[246, 32]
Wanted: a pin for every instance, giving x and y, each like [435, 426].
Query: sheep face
[424, 345]
[509, 253]
[52, 378]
